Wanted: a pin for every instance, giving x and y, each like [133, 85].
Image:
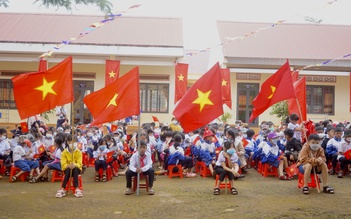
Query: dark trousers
[60, 122]
[344, 162]
[187, 162]
[100, 164]
[334, 160]
[223, 173]
[75, 173]
[150, 172]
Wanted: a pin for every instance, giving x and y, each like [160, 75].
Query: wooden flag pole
[138, 145]
[72, 129]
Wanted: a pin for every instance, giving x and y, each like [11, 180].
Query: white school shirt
[98, 152]
[47, 142]
[221, 158]
[133, 163]
[343, 148]
[297, 134]
[267, 149]
[18, 153]
[61, 112]
[208, 147]
[4, 146]
[172, 150]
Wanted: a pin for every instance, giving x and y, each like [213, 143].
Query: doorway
[81, 112]
[246, 94]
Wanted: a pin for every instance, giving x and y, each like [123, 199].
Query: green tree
[104, 5]
[280, 110]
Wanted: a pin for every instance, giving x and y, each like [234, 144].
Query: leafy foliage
[104, 5]
[225, 117]
[280, 110]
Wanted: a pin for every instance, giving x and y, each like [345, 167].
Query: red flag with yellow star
[347, 154]
[202, 103]
[38, 92]
[276, 88]
[226, 90]
[113, 128]
[117, 100]
[300, 100]
[292, 170]
[111, 71]
[24, 127]
[181, 81]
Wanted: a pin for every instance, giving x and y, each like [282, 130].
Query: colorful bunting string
[252, 33]
[87, 30]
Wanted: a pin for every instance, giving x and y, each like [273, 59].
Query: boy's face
[142, 150]
[331, 133]
[338, 134]
[320, 132]
[313, 141]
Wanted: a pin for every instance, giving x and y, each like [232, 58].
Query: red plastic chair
[141, 185]
[56, 176]
[311, 184]
[269, 170]
[14, 170]
[69, 185]
[172, 174]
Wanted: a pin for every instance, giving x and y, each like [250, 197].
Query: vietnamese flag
[113, 128]
[292, 170]
[38, 92]
[293, 105]
[24, 127]
[245, 142]
[347, 154]
[295, 76]
[42, 65]
[226, 88]
[41, 149]
[276, 88]
[181, 81]
[202, 103]
[52, 148]
[111, 71]
[117, 100]
[155, 119]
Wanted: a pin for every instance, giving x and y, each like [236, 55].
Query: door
[81, 112]
[246, 93]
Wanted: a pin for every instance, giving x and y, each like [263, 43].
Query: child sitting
[312, 156]
[292, 147]
[272, 155]
[140, 162]
[71, 162]
[100, 160]
[345, 146]
[251, 147]
[333, 146]
[227, 165]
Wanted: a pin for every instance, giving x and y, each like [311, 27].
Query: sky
[199, 16]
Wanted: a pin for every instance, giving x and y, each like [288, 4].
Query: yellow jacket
[66, 159]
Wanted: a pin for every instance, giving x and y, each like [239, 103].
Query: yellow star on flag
[112, 74]
[273, 90]
[203, 99]
[180, 77]
[46, 88]
[224, 83]
[113, 101]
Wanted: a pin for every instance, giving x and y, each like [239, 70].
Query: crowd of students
[227, 151]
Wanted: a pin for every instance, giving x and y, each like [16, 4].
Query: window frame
[323, 99]
[146, 101]
[11, 102]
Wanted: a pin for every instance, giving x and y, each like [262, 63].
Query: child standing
[293, 125]
[312, 156]
[227, 165]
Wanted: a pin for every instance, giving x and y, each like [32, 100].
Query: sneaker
[190, 175]
[340, 174]
[128, 192]
[60, 193]
[78, 193]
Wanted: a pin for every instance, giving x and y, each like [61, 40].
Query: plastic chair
[14, 170]
[2, 167]
[69, 185]
[172, 174]
[269, 170]
[141, 185]
[259, 167]
[109, 175]
[311, 184]
[56, 176]
[224, 185]
[204, 170]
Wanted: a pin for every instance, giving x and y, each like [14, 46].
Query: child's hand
[235, 173]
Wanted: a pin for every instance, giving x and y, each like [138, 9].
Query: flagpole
[72, 127]
[138, 145]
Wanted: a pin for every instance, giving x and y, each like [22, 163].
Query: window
[320, 99]
[154, 98]
[7, 100]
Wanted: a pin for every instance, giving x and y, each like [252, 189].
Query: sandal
[284, 178]
[305, 190]
[43, 179]
[328, 189]
[78, 193]
[216, 191]
[97, 178]
[13, 179]
[104, 179]
[128, 192]
[33, 180]
[340, 174]
[234, 191]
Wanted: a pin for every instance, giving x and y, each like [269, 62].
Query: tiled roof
[126, 31]
[292, 41]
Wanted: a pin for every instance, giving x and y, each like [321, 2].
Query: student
[233, 135]
[208, 150]
[100, 156]
[71, 162]
[312, 156]
[227, 165]
[345, 146]
[251, 147]
[272, 155]
[293, 125]
[320, 132]
[55, 163]
[140, 162]
[23, 161]
[330, 134]
[333, 146]
[5, 150]
[293, 146]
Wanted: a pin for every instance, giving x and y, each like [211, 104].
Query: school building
[154, 44]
